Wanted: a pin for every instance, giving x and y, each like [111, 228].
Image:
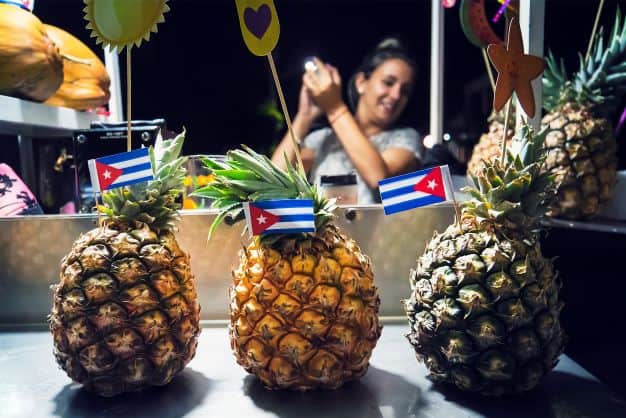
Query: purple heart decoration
[257, 21]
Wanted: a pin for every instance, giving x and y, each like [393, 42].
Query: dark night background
[196, 72]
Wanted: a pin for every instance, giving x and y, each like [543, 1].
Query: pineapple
[125, 314]
[304, 308]
[580, 141]
[490, 143]
[484, 305]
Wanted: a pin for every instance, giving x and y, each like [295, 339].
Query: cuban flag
[281, 216]
[413, 190]
[120, 170]
[27, 5]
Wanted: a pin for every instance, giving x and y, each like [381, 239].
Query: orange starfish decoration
[515, 71]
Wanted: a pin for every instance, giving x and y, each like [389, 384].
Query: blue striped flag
[281, 216]
[27, 5]
[410, 191]
[120, 170]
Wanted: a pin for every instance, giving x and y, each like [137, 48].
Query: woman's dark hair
[388, 48]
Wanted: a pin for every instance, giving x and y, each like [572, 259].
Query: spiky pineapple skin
[484, 311]
[125, 314]
[304, 313]
[582, 153]
[489, 146]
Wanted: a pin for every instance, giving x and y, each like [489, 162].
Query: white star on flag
[432, 184]
[107, 174]
[261, 219]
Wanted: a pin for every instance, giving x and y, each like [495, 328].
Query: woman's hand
[324, 86]
[308, 110]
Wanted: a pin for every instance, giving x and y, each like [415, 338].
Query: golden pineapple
[580, 141]
[304, 308]
[125, 313]
[489, 145]
[484, 307]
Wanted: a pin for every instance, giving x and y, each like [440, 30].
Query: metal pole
[27, 162]
[532, 24]
[111, 61]
[436, 71]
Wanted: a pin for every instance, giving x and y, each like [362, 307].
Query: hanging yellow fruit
[85, 79]
[31, 66]
[123, 23]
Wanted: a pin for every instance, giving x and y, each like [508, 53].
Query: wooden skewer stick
[457, 210]
[283, 104]
[595, 28]
[489, 70]
[95, 199]
[507, 113]
[128, 100]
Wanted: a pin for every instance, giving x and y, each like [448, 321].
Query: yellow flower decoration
[122, 23]
[189, 203]
[204, 180]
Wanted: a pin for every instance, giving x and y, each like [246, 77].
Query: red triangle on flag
[261, 219]
[107, 174]
[432, 183]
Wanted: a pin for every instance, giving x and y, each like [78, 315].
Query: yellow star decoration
[124, 23]
[515, 71]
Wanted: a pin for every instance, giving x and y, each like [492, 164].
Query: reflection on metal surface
[213, 385]
[597, 225]
[31, 249]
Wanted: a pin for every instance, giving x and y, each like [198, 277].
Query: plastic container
[342, 187]
[197, 177]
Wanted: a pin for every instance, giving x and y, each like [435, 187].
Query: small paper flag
[280, 216]
[27, 5]
[414, 190]
[120, 170]
[259, 25]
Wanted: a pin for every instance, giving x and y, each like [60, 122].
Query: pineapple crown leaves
[154, 202]
[600, 81]
[246, 176]
[517, 192]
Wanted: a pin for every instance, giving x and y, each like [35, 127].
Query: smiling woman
[362, 139]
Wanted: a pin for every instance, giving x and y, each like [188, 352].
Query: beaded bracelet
[342, 112]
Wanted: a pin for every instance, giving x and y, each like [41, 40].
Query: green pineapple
[304, 308]
[484, 306]
[125, 314]
[580, 141]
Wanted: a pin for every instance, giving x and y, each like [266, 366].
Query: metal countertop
[213, 385]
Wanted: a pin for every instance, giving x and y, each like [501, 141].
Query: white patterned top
[331, 158]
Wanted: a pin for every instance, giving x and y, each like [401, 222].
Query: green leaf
[208, 192]
[213, 164]
[130, 209]
[280, 174]
[220, 218]
[256, 166]
[272, 194]
[249, 186]
[236, 174]
[303, 186]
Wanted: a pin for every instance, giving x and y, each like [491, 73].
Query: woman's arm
[300, 129]
[308, 111]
